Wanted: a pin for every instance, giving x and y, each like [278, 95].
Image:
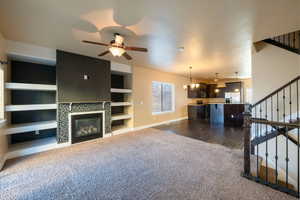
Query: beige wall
[272, 67]
[142, 82]
[3, 141]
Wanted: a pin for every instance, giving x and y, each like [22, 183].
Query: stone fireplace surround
[64, 109]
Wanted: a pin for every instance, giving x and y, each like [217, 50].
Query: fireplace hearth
[85, 126]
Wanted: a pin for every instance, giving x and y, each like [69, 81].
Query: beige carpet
[149, 164]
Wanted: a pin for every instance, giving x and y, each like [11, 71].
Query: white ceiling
[217, 34]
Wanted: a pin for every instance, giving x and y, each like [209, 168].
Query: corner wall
[3, 140]
[142, 96]
[272, 67]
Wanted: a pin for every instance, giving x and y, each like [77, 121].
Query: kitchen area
[217, 103]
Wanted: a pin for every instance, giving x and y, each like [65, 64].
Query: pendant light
[219, 85]
[191, 85]
[236, 76]
[216, 78]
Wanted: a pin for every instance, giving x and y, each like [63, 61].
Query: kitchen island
[218, 113]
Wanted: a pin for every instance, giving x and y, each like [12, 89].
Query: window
[162, 97]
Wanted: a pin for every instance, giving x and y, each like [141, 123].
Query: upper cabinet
[82, 79]
[233, 86]
[212, 91]
[200, 92]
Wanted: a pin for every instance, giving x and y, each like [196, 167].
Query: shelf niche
[33, 101]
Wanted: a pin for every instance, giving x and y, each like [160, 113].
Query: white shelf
[117, 90]
[26, 86]
[35, 146]
[121, 104]
[120, 117]
[28, 127]
[12, 108]
[116, 130]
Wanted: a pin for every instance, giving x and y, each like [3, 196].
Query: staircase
[289, 41]
[271, 142]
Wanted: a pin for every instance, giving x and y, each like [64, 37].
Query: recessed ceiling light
[181, 49]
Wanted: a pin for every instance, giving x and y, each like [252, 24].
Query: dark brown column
[247, 134]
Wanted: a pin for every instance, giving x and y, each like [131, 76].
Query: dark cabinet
[233, 86]
[221, 93]
[199, 92]
[198, 112]
[209, 90]
[233, 114]
[213, 93]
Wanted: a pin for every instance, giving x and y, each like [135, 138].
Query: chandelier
[191, 85]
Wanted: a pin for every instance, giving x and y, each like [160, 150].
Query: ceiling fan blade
[136, 49]
[103, 53]
[97, 43]
[127, 56]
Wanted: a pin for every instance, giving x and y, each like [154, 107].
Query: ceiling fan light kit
[117, 47]
[116, 51]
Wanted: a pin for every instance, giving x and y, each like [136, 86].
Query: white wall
[272, 67]
[3, 140]
[30, 52]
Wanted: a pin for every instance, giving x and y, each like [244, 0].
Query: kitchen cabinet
[198, 111]
[211, 91]
[199, 92]
[233, 114]
[231, 87]
[208, 90]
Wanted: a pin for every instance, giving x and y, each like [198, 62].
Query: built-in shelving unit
[117, 90]
[32, 108]
[29, 107]
[28, 127]
[121, 96]
[120, 117]
[121, 104]
[35, 146]
[26, 86]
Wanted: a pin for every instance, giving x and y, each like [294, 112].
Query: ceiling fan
[117, 47]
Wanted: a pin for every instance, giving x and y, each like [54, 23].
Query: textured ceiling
[217, 35]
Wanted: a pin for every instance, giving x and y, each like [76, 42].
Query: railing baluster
[276, 143]
[266, 116]
[294, 40]
[266, 122]
[286, 142]
[256, 136]
[297, 93]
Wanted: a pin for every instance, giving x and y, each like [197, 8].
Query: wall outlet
[85, 77]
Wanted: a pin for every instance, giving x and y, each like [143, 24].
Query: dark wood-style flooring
[231, 137]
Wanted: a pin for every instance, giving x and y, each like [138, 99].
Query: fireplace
[86, 126]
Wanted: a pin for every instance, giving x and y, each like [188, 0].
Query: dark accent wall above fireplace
[81, 78]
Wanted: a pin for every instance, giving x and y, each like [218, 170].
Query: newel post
[247, 145]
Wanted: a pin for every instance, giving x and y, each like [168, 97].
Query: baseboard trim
[158, 124]
[2, 161]
[34, 150]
